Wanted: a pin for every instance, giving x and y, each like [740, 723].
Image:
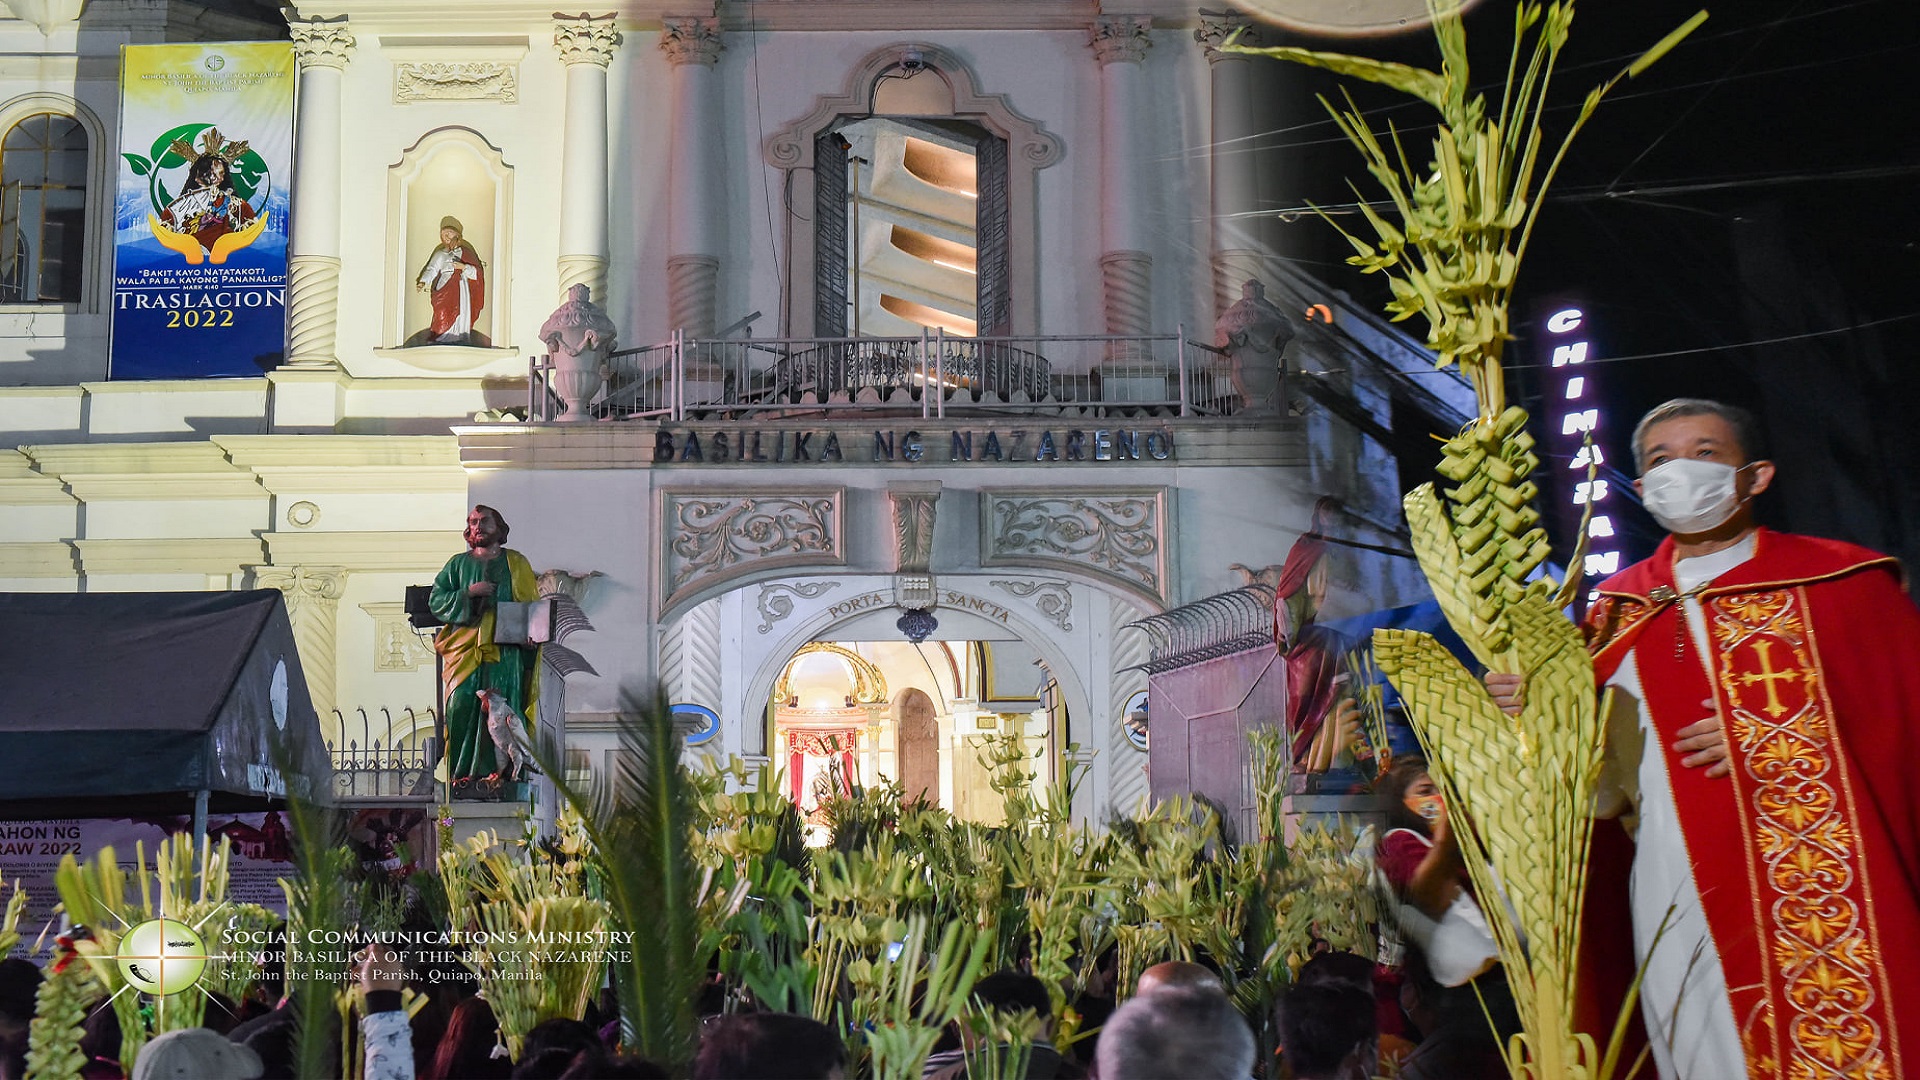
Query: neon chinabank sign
[1577, 420]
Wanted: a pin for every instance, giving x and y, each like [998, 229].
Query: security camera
[912, 62]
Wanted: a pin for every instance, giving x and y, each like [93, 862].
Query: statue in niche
[455, 280]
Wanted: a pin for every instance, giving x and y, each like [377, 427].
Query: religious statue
[455, 281]
[481, 675]
[207, 207]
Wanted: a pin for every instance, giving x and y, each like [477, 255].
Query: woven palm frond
[1518, 789]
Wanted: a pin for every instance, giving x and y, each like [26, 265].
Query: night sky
[1761, 182]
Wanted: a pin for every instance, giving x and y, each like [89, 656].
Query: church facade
[936, 346]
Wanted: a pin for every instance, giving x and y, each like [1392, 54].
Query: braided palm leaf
[1518, 789]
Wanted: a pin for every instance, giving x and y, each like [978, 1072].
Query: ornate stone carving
[776, 599]
[478, 80]
[568, 583]
[1053, 599]
[313, 602]
[913, 517]
[1122, 38]
[1254, 333]
[319, 42]
[585, 39]
[691, 40]
[1117, 535]
[709, 538]
[395, 645]
[1217, 26]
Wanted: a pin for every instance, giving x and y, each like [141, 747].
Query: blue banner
[200, 210]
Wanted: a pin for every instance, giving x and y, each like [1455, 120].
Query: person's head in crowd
[196, 1054]
[1179, 975]
[551, 1046]
[1014, 992]
[1409, 797]
[769, 1046]
[466, 1050]
[100, 1042]
[1337, 969]
[548, 1064]
[596, 1065]
[1191, 1033]
[19, 982]
[1328, 1032]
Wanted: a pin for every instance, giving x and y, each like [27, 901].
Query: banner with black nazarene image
[200, 210]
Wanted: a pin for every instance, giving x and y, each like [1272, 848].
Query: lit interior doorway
[849, 715]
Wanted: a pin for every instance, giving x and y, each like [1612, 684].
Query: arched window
[43, 208]
[923, 197]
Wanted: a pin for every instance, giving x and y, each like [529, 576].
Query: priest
[1765, 726]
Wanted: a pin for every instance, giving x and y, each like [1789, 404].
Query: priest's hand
[1508, 691]
[1704, 742]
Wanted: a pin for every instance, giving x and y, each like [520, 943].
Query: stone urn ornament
[579, 338]
[1255, 334]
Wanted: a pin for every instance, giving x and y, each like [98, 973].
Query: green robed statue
[464, 597]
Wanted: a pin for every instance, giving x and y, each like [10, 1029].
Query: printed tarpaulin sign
[200, 210]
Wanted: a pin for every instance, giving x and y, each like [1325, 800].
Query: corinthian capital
[319, 42]
[585, 39]
[691, 39]
[303, 583]
[1217, 26]
[1120, 37]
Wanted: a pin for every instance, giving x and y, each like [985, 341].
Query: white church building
[931, 368]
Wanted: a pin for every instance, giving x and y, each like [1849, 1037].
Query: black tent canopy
[114, 704]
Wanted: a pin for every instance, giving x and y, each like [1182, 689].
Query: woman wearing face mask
[1437, 912]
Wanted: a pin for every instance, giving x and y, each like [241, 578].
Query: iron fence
[932, 375]
[370, 763]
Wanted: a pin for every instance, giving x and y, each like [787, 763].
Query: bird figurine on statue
[512, 743]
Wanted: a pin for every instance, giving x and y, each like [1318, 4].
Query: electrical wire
[1749, 344]
[1693, 40]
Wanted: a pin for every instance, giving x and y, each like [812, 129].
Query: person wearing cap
[196, 1054]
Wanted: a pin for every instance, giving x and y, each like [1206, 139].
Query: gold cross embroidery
[1768, 676]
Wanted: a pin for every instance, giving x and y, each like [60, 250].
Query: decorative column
[322, 48]
[692, 45]
[313, 604]
[1233, 162]
[1120, 43]
[586, 45]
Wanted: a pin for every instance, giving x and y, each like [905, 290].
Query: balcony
[933, 375]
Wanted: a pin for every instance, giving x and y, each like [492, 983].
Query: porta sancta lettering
[911, 446]
[957, 601]
[855, 604]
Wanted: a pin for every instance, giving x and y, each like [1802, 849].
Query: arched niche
[451, 172]
[98, 243]
[925, 82]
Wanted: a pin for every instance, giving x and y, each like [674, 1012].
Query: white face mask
[1690, 496]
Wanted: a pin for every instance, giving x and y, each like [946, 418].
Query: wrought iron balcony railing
[933, 375]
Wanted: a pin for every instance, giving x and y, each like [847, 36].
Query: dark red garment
[1808, 856]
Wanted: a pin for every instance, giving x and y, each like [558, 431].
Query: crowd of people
[1341, 1015]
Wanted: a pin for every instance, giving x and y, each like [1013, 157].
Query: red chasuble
[1808, 856]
